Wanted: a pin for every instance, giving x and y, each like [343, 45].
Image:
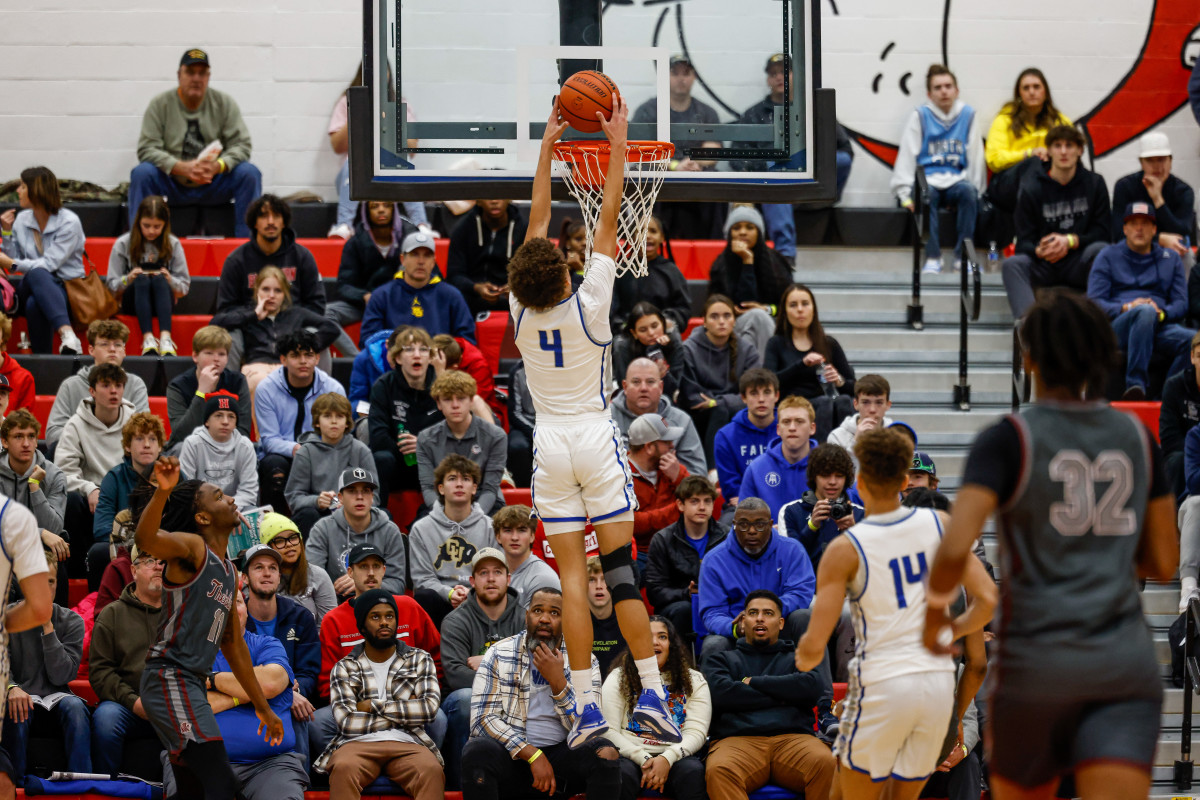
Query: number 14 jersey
[566, 348]
[887, 594]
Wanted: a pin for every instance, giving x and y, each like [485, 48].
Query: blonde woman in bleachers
[148, 271]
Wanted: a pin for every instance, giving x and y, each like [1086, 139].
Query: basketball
[582, 96]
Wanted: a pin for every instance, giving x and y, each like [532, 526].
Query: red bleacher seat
[218, 251]
[704, 252]
[98, 249]
[76, 591]
[327, 253]
[489, 335]
[403, 508]
[1147, 412]
[693, 323]
[183, 328]
[82, 688]
[514, 497]
[42, 404]
[158, 407]
[197, 253]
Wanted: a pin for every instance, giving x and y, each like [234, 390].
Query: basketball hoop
[583, 165]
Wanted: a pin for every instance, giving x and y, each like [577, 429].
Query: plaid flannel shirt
[500, 693]
[412, 686]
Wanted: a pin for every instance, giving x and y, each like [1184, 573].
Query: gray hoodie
[232, 465]
[45, 663]
[706, 370]
[534, 574]
[119, 266]
[467, 631]
[49, 502]
[844, 435]
[88, 448]
[318, 467]
[689, 449]
[441, 549]
[75, 389]
[483, 443]
[331, 538]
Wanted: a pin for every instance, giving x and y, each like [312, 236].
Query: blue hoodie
[773, 479]
[296, 630]
[275, 410]
[736, 445]
[1120, 275]
[728, 574]
[369, 364]
[438, 307]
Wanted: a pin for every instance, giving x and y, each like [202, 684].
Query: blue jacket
[1120, 275]
[115, 489]
[772, 478]
[239, 725]
[296, 630]
[62, 247]
[793, 523]
[369, 364]
[437, 307]
[736, 445]
[275, 410]
[728, 574]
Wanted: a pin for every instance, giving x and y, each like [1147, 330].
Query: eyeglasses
[281, 542]
[760, 526]
[143, 560]
[415, 349]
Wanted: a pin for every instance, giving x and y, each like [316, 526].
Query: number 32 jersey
[887, 594]
[566, 348]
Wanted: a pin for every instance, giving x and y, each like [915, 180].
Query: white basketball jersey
[887, 595]
[566, 348]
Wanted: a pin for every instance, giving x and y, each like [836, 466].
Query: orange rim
[581, 155]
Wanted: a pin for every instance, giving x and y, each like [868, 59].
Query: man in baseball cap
[656, 473]
[1142, 288]
[922, 473]
[1173, 202]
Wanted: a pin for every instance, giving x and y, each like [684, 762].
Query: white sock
[581, 680]
[648, 671]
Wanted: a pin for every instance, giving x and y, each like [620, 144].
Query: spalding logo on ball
[582, 96]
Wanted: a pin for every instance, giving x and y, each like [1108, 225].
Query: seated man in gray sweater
[466, 434]
[490, 613]
[442, 544]
[43, 662]
[515, 530]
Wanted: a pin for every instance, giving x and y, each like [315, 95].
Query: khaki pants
[413, 767]
[797, 761]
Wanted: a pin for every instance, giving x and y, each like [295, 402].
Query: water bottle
[993, 257]
[410, 459]
[828, 388]
[24, 345]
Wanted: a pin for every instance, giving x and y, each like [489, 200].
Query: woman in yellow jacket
[1016, 139]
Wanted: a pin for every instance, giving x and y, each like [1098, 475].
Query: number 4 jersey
[566, 348]
[194, 615]
[887, 594]
[1072, 483]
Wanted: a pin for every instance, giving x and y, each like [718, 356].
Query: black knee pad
[619, 574]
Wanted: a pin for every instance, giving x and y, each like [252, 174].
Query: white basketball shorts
[895, 728]
[580, 473]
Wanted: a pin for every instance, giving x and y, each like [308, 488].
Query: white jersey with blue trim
[566, 348]
[887, 594]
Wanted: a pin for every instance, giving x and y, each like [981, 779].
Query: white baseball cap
[1155, 144]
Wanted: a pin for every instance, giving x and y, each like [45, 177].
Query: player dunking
[900, 698]
[197, 618]
[1083, 508]
[580, 472]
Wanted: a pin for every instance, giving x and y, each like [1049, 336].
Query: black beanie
[223, 400]
[368, 600]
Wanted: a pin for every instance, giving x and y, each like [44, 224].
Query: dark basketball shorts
[1034, 740]
[177, 704]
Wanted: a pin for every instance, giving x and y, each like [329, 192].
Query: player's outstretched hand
[617, 127]
[166, 473]
[555, 127]
[273, 726]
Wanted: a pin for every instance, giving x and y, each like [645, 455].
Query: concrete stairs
[862, 296]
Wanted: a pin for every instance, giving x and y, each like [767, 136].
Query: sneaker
[932, 266]
[651, 713]
[1134, 394]
[589, 724]
[149, 345]
[70, 345]
[340, 231]
[506, 480]
[166, 346]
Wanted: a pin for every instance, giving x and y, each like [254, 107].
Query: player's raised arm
[149, 537]
[617, 130]
[539, 208]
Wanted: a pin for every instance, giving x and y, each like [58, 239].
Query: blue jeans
[780, 218]
[242, 185]
[1141, 336]
[112, 725]
[70, 717]
[457, 707]
[44, 303]
[151, 297]
[966, 199]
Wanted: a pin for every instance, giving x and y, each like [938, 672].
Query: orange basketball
[582, 96]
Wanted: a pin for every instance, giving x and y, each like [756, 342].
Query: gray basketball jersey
[1069, 537]
[194, 615]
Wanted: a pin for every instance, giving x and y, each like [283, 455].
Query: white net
[583, 167]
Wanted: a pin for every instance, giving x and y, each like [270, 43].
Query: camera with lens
[838, 508]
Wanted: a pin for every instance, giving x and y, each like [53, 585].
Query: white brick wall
[77, 75]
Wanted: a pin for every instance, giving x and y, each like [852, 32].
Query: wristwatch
[211, 682]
